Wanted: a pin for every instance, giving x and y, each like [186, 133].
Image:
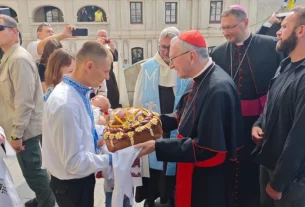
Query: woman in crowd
[60, 62]
[49, 48]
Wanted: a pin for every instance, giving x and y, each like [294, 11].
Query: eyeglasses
[163, 47]
[229, 27]
[2, 27]
[171, 59]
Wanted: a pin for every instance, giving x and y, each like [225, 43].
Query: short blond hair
[92, 50]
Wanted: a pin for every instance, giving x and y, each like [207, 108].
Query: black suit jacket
[112, 86]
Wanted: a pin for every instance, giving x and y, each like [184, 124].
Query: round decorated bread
[130, 126]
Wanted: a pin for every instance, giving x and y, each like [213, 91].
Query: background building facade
[134, 25]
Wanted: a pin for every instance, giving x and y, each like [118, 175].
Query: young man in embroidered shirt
[70, 139]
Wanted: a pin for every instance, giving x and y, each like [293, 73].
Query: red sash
[185, 175]
[253, 107]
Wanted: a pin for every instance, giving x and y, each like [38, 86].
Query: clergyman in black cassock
[251, 60]
[209, 122]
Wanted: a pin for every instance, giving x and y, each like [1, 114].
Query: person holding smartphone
[272, 25]
[112, 86]
[44, 33]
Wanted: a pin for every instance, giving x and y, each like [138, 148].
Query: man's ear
[246, 22]
[89, 65]
[301, 32]
[38, 35]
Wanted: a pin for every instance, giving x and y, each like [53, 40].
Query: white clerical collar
[210, 62]
[161, 61]
[241, 43]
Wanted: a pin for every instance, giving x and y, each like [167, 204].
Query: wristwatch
[15, 138]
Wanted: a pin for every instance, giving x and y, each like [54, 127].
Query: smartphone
[282, 15]
[80, 32]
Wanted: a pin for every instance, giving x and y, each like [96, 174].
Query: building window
[215, 10]
[48, 14]
[51, 14]
[136, 13]
[170, 12]
[9, 12]
[136, 54]
[91, 14]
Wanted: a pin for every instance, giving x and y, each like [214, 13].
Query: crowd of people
[232, 118]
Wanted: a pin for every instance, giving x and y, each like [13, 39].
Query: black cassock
[252, 66]
[210, 132]
[112, 87]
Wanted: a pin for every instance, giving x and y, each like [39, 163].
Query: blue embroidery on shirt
[84, 93]
[48, 93]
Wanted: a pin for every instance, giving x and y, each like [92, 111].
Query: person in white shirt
[44, 33]
[8, 194]
[70, 144]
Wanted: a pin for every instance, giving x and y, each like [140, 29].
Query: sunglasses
[2, 27]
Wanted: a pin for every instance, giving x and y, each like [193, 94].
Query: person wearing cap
[158, 88]
[21, 105]
[209, 122]
[251, 60]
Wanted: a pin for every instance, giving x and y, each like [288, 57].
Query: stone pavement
[26, 193]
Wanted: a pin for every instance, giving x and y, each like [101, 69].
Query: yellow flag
[290, 4]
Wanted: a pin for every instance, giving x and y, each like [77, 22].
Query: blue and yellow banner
[289, 4]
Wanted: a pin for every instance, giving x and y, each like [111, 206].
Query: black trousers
[75, 192]
[293, 195]
[249, 191]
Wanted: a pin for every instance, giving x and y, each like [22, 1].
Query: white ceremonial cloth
[122, 161]
[8, 194]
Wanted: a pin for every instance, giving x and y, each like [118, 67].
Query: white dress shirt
[68, 150]
[32, 49]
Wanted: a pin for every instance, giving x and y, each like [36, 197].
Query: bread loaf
[130, 126]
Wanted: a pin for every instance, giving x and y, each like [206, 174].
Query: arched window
[8, 11]
[48, 14]
[91, 14]
[136, 54]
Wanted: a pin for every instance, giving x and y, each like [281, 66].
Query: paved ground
[26, 193]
